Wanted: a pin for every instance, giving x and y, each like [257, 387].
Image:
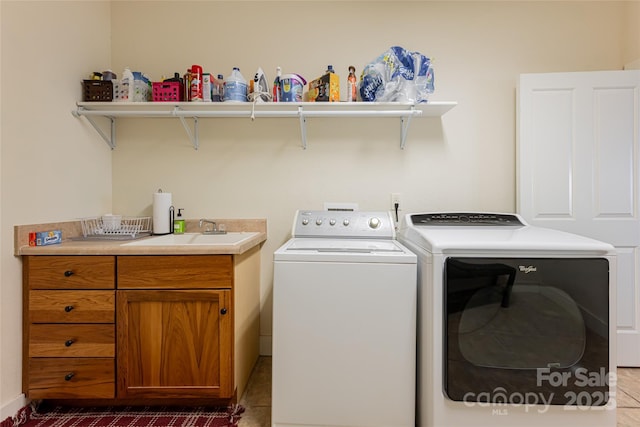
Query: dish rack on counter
[129, 228]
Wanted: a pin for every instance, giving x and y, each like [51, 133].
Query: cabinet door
[175, 344]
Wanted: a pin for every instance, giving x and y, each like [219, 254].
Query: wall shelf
[297, 110]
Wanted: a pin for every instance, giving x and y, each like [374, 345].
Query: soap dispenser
[178, 224]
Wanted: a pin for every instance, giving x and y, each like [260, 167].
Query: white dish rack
[129, 228]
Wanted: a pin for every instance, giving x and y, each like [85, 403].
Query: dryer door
[518, 326]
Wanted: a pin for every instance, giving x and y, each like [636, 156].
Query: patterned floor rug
[33, 416]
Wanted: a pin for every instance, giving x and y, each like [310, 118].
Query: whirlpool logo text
[527, 269]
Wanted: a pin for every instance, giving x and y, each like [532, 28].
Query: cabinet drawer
[175, 272]
[72, 340]
[69, 272]
[71, 378]
[71, 306]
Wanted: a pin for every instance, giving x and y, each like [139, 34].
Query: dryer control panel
[343, 224]
[466, 219]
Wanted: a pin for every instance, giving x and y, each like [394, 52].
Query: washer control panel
[466, 219]
[344, 224]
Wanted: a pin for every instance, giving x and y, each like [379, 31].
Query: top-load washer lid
[345, 245]
[490, 232]
[344, 250]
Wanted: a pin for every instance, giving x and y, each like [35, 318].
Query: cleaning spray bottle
[178, 224]
[276, 85]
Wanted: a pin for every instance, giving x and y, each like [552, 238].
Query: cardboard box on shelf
[325, 88]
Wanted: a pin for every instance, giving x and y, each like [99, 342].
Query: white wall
[245, 169]
[52, 166]
[55, 167]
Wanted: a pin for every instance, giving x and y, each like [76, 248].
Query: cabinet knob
[223, 311]
[68, 273]
[68, 343]
[69, 376]
[68, 308]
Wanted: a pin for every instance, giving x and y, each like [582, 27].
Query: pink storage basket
[167, 92]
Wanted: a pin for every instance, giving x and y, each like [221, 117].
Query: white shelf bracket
[303, 127]
[109, 139]
[194, 136]
[405, 121]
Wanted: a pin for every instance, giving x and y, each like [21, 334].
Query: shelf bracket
[303, 128]
[405, 121]
[109, 139]
[194, 136]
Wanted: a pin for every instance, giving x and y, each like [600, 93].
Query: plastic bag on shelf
[397, 75]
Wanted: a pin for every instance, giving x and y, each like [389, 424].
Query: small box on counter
[45, 238]
[325, 88]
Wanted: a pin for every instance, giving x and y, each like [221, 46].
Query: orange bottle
[352, 94]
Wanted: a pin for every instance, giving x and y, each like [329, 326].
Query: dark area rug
[126, 416]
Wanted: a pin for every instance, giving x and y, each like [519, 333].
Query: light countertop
[74, 244]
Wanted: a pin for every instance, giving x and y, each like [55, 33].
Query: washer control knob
[345, 222]
[319, 221]
[305, 221]
[332, 221]
[374, 222]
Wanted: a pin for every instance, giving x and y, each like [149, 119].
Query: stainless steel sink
[193, 239]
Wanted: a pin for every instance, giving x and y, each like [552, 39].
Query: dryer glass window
[527, 327]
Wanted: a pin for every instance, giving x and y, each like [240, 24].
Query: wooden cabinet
[184, 326]
[69, 327]
[175, 326]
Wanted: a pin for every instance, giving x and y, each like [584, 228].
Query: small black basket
[97, 91]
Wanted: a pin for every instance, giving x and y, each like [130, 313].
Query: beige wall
[632, 47]
[258, 169]
[52, 165]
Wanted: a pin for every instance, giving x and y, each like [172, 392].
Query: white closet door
[579, 170]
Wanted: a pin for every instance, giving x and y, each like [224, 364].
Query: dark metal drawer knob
[223, 311]
[69, 376]
[68, 273]
[68, 308]
[68, 343]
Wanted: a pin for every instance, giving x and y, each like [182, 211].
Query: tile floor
[257, 397]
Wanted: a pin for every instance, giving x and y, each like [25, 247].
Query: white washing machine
[516, 324]
[344, 323]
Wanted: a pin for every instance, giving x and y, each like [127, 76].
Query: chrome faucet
[213, 230]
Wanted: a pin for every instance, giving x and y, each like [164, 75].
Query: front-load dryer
[516, 324]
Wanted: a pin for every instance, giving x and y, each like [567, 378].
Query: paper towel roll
[161, 213]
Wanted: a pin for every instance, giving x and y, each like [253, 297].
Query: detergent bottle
[235, 87]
